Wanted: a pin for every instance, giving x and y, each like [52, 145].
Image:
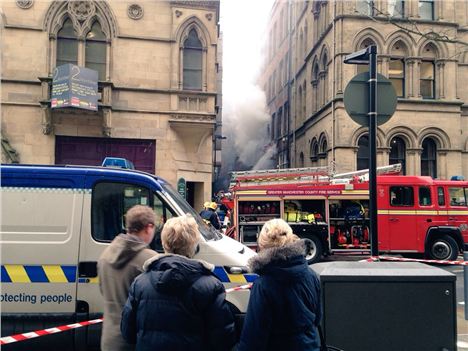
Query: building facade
[421, 48]
[158, 85]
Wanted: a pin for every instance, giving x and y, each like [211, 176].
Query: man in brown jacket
[118, 266]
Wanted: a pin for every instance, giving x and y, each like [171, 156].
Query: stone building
[158, 84]
[422, 48]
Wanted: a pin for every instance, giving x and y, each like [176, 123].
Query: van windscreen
[207, 231]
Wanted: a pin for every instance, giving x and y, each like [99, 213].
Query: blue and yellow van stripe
[17, 273]
[226, 277]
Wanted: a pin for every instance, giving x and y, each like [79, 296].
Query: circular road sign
[356, 99]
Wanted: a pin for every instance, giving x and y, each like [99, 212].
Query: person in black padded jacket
[177, 303]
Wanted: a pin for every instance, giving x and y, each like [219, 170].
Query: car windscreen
[206, 230]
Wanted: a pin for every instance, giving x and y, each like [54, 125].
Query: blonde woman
[284, 307]
[178, 304]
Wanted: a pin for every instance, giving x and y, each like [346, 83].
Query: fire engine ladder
[363, 175]
[282, 176]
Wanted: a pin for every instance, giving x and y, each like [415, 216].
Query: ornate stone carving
[24, 4]
[178, 13]
[135, 11]
[46, 123]
[209, 16]
[81, 10]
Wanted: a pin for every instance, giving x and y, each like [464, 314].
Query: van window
[110, 202]
[163, 213]
[207, 231]
[458, 196]
[424, 196]
[441, 196]
[401, 196]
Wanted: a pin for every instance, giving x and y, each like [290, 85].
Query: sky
[245, 119]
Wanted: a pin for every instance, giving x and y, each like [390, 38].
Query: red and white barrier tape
[35, 334]
[31, 335]
[241, 287]
[402, 259]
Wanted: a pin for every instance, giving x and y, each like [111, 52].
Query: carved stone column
[107, 122]
[384, 65]
[417, 75]
[440, 82]
[46, 120]
[409, 79]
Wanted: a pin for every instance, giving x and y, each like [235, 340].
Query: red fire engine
[417, 215]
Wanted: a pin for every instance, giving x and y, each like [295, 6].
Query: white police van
[56, 221]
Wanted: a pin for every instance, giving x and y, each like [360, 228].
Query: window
[440, 196]
[458, 196]
[363, 153]
[401, 196]
[424, 196]
[110, 202]
[365, 7]
[95, 52]
[301, 160]
[163, 213]
[192, 62]
[67, 44]
[396, 75]
[314, 150]
[429, 158]
[398, 153]
[396, 8]
[427, 83]
[94, 47]
[426, 9]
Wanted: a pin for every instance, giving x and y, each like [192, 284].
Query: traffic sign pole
[372, 50]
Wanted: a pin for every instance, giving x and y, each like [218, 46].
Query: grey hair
[180, 236]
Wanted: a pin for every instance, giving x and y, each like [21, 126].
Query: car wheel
[313, 250]
[443, 248]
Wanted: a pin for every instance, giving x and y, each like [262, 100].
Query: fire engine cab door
[402, 225]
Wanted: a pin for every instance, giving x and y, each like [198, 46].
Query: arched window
[427, 72]
[429, 158]
[363, 153]
[365, 44]
[192, 62]
[95, 52]
[314, 150]
[67, 44]
[398, 153]
[301, 160]
[315, 87]
[396, 72]
[94, 47]
[323, 149]
[325, 79]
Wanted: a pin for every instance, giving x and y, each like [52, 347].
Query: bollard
[465, 283]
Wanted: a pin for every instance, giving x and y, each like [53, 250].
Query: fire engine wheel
[443, 248]
[313, 250]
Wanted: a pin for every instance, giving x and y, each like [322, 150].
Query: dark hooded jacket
[284, 307]
[178, 304]
[118, 265]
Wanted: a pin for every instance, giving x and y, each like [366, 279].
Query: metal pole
[373, 149]
[465, 284]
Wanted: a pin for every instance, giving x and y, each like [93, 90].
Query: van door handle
[429, 220]
[452, 218]
[87, 269]
[394, 219]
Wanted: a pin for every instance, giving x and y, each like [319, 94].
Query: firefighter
[210, 216]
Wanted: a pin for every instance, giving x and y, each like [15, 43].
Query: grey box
[394, 306]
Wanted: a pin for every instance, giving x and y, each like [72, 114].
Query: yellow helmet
[206, 204]
[213, 205]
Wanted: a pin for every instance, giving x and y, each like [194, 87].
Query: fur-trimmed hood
[283, 256]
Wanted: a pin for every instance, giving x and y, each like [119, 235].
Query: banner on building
[74, 86]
